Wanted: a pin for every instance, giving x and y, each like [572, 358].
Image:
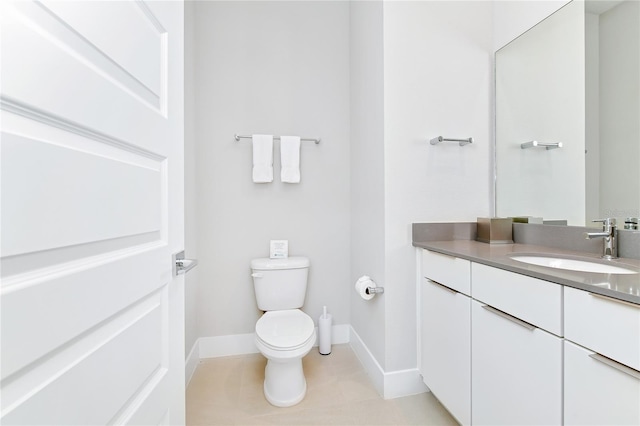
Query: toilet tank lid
[288, 263]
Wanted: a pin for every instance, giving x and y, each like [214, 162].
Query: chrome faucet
[610, 237]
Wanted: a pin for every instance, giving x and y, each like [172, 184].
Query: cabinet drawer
[595, 393]
[604, 325]
[535, 301]
[451, 271]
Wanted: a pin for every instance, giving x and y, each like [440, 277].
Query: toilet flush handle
[256, 275]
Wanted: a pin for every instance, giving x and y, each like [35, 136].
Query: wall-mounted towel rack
[463, 142]
[238, 137]
[533, 144]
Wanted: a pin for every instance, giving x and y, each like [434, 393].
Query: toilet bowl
[284, 337]
[284, 334]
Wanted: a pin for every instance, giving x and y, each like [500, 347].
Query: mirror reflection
[572, 85]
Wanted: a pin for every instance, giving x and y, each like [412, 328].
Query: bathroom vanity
[506, 342]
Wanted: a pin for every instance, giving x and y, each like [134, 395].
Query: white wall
[437, 72]
[414, 76]
[514, 17]
[367, 171]
[276, 68]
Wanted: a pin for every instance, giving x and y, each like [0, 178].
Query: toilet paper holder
[374, 290]
[367, 288]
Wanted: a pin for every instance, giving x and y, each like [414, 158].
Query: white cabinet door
[516, 371]
[598, 391]
[91, 193]
[446, 347]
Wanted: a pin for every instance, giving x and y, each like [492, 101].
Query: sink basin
[573, 264]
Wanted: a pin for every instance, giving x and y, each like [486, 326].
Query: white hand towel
[290, 159]
[262, 158]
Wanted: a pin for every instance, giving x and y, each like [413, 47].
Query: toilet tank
[280, 283]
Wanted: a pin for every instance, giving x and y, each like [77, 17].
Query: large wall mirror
[568, 116]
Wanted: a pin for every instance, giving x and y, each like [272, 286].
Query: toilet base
[284, 382]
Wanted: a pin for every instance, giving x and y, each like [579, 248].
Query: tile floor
[228, 391]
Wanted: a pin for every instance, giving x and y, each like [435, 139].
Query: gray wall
[275, 68]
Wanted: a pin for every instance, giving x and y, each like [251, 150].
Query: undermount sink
[572, 264]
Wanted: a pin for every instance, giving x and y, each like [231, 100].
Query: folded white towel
[262, 158]
[290, 159]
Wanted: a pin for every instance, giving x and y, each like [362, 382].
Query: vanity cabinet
[501, 348]
[516, 364]
[601, 360]
[445, 344]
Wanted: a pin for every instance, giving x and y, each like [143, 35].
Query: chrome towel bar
[533, 144]
[463, 142]
[277, 138]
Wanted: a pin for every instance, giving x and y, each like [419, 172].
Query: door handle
[181, 265]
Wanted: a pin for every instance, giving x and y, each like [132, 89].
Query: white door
[91, 212]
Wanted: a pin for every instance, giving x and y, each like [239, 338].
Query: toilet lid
[285, 329]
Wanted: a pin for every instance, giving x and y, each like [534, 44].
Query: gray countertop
[623, 287]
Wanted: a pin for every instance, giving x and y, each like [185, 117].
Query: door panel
[108, 375]
[65, 76]
[91, 193]
[78, 211]
[56, 311]
[139, 51]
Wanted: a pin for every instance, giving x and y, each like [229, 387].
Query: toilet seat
[286, 330]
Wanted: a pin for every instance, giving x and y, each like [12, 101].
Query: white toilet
[284, 334]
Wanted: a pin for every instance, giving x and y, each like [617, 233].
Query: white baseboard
[240, 344]
[191, 362]
[392, 384]
[403, 383]
[233, 344]
[368, 361]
